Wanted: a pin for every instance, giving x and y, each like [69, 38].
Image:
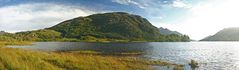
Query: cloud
[123, 1]
[128, 2]
[37, 16]
[180, 4]
[154, 3]
[154, 10]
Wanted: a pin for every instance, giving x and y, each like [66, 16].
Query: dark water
[210, 55]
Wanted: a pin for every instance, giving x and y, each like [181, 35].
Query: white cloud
[156, 9]
[128, 2]
[37, 16]
[154, 3]
[180, 4]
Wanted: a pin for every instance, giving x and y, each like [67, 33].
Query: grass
[19, 59]
[4, 43]
[132, 53]
[82, 52]
[178, 67]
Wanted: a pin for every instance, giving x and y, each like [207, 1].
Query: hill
[116, 25]
[166, 31]
[227, 34]
[105, 27]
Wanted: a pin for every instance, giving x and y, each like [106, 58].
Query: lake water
[210, 55]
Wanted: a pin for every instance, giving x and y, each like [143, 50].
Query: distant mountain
[166, 31]
[227, 34]
[3, 32]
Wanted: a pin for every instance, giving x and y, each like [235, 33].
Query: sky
[196, 18]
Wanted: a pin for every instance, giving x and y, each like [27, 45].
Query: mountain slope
[116, 25]
[166, 31]
[227, 34]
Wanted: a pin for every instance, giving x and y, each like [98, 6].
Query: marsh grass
[178, 67]
[128, 53]
[17, 59]
[4, 43]
[20, 59]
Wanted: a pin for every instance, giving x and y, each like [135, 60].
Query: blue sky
[190, 17]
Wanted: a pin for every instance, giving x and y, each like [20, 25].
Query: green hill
[117, 25]
[227, 34]
[114, 25]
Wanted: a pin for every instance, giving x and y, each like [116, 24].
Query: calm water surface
[210, 55]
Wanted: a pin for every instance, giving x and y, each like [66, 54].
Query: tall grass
[4, 43]
[19, 59]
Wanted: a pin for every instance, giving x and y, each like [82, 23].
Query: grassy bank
[4, 43]
[19, 59]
